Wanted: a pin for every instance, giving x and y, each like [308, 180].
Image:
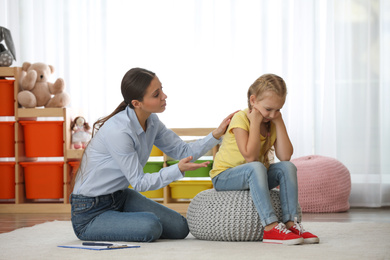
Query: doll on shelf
[80, 132]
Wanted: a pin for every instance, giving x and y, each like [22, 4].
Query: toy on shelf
[37, 91]
[6, 56]
[80, 133]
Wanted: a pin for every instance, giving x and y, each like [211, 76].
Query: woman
[103, 207]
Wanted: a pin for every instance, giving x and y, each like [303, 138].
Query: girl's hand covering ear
[278, 118]
[220, 131]
[254, 116]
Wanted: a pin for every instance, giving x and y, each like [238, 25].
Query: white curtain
[333, 54]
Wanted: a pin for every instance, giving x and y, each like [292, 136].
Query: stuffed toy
[6, 56]
[37, 91]
[80, 133]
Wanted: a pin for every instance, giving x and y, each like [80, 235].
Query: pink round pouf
[324, 184]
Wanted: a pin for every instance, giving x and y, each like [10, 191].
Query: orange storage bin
[7, 139]
[7, 97]
[43, 180]
[43, 138]
[7, 180]
[74, 166]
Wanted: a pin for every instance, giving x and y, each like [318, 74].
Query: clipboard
[100, 246]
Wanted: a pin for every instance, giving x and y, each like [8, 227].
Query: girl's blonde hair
[267, 82]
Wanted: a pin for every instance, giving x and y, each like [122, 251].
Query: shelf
[192, 131]
[21, 204]
[7, 71]
[41, 112]
[180, 207]
[74, 154]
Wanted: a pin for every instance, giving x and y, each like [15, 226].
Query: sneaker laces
[282, 228]
[298, 226]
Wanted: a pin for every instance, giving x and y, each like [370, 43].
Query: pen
[96, 244]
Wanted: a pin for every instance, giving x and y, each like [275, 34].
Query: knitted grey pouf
[228, 215]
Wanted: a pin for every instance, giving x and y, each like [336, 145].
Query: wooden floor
[10, 222]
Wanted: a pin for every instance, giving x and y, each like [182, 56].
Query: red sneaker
[281, 235]
[308, 238]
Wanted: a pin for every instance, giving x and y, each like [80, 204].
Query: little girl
[243, 162]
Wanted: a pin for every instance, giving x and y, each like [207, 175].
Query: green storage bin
[151, 167]
[201, 172]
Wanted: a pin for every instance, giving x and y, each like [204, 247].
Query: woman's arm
[283, 146]
[172, 145]
[249, 143]
[185, 164]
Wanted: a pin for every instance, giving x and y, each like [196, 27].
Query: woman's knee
[176, 227]
[141, 227]
[181, 230]
[152, 227]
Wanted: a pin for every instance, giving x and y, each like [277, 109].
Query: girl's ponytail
[268, 155]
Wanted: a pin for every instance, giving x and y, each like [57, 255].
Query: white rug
[338, 241]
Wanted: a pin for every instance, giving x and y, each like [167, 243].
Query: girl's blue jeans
[255, 177]
[125, 215]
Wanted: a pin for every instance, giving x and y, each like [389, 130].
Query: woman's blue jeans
[125, 216]
[255, 177]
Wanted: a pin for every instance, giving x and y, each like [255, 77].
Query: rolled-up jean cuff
[288, 217]
[268, 221]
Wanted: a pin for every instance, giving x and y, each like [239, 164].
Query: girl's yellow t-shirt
[229, 155]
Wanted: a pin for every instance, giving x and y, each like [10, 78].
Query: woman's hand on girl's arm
[185, 164]
[283, 146]
[220, 131]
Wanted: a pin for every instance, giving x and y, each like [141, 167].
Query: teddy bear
[37, 91]
[80, 132]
